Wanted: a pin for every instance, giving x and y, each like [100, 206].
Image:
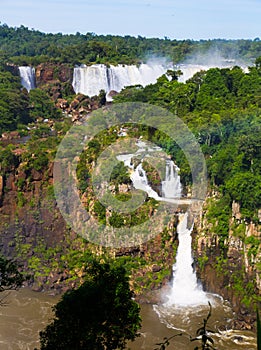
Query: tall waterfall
[90, 80]
[27, 75]
[185, 289]
[171, 186]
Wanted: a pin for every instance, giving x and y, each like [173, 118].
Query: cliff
[230, 265]
[33, 231]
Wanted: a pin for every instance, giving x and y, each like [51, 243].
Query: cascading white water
[190, 69]
[185, 291]
[140, 182]
[171, 186]
[27, 75]
[92, 79]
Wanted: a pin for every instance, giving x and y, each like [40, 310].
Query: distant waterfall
[27, 75]
[171, 186]
[190, 69]
[185, 288]
[90, 80]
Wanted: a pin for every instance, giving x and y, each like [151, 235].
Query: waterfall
[140, 182]
[27, 75]
[89, 80]
[190, 69]
[185, 291]
[171, 186]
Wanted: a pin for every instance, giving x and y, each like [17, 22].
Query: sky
[175, 19]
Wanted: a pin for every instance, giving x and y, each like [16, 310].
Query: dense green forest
[25, 46]
[222, 107]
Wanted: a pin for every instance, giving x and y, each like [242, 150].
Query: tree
[10, 277]
[100, 314]
[244, 188]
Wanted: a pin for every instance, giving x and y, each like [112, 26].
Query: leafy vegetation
[222, 108]
[10, 276]
[100, 314]
[24, 46]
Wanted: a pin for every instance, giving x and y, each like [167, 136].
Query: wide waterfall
[90, 80]
[190, 69]
[27, 75]
[185, 288]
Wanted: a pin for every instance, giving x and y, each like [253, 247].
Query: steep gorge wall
[231, 268]
[33, 231]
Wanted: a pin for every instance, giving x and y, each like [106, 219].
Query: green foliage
[41, 106]
[202, 260]
[219, 213]
[8, 160]
[100, 211]
[120, 174]
[245, 189]
[10, 276]
[100, 314]
[14, 102]
[21, 200]
[24, 46]
[254, 243]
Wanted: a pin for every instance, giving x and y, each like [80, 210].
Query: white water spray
[185, 291]
[27, 75]
[140, 182]
[171, 186]
[90, 80]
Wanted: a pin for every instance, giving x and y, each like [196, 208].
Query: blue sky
[176, 19]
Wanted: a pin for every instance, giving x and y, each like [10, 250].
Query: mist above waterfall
[209, 59]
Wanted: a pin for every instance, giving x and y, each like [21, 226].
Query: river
[27, 312]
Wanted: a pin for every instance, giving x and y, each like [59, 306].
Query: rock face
[55, 79]
[48, 72]
[33, 232]
[79, 106]
[231, 269]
